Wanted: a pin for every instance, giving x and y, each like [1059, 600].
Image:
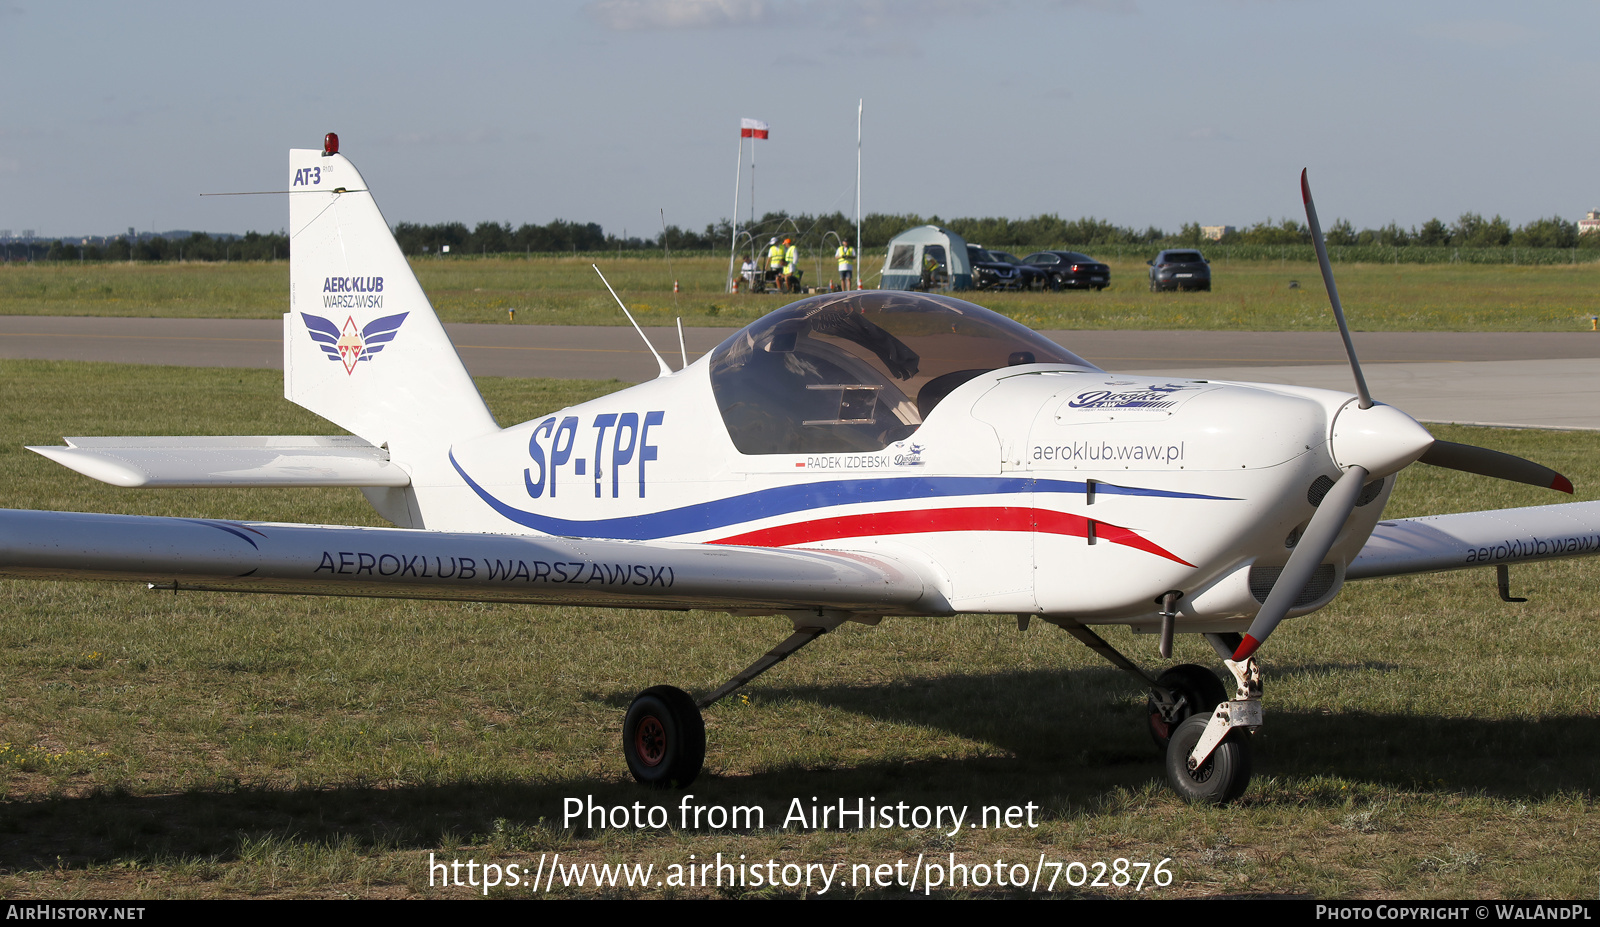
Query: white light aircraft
[848, 457]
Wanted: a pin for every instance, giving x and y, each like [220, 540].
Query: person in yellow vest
[930, 271]
[791, 257]
[846, 256]
[774, 261]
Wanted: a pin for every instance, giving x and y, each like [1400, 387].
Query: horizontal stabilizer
[1473, 539]
[195, 553]
[264, 460]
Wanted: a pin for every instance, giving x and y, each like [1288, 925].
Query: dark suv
[1001, 271]
[1179, 269]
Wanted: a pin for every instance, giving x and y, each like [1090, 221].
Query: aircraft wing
[208, 554]
[255, 460]
[1474, 539]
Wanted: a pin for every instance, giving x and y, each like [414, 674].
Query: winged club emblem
[350, 345]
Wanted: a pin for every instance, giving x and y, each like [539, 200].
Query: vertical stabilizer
[361, 344]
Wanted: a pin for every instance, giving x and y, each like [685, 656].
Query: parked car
[992, 271]
[1071, 269]
[1181, 269]
[1032, 278]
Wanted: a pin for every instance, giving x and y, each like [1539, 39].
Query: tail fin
[361, 344]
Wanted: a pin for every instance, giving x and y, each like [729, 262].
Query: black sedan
[1071, 270]
[1179, 270]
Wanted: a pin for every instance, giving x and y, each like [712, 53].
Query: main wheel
[1221, 778]
[1200, 690]
[664, 738]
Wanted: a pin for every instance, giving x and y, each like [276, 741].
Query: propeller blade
[1314, 544]
[1333, 291]
[1484, 462]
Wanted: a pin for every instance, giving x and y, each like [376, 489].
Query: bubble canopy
[860, 371]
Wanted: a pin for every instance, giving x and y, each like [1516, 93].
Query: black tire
[1221, 778]
[664, 738]
[1200, 690]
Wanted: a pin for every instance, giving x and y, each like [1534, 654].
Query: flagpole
[860, 105]
[733, 244]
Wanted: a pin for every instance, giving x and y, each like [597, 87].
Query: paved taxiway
[1538, 379]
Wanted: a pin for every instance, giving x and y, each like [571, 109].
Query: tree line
[1470, 230]
[198, 246]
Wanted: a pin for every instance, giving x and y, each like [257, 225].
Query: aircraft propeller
[1370, 440]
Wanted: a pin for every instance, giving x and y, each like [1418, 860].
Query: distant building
[1215, 232]
[1590, 223]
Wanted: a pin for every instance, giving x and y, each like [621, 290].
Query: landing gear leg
[664, 733]
[1204, 734]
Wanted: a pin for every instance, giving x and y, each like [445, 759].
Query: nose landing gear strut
[1205, 735]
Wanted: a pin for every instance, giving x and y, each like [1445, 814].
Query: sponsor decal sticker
[1149, 398]
[908, 456]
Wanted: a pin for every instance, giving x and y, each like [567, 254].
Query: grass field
[1423, 738]
[1248, 295]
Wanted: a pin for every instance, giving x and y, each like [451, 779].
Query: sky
[615, 111]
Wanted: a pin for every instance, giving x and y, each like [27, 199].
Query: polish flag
[752, 128]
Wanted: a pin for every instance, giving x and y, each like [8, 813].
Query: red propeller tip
[1305, 188]
[1246, 648]
[1562, 483]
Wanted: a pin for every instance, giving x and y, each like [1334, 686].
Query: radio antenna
[665, 370]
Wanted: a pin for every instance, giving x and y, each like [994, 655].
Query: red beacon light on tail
[330, 144]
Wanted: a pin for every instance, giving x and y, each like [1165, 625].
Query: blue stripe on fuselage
[784, 500]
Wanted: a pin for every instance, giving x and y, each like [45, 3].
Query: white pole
[752, 181]
[733, 244]
[860, 105]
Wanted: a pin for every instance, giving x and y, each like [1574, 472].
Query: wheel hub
[650, 741]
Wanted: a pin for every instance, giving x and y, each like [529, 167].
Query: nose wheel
[1220, 777]
[1208, 757]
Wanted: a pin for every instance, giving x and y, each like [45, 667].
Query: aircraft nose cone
[1381, 439]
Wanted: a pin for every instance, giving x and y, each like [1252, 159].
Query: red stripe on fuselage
[929, 521]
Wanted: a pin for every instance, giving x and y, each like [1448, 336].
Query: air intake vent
[1320, 488]
[1262, 579]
